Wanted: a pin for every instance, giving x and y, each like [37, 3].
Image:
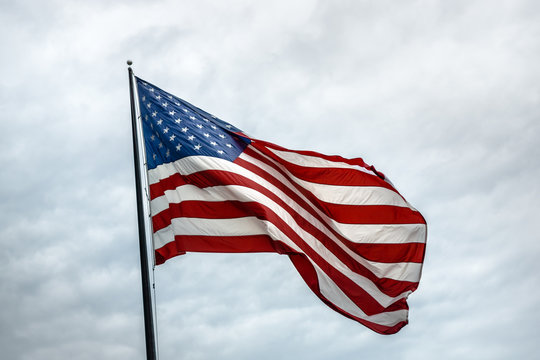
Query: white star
[169, 96]
[160, 145]
[213, 143]
[214, 127]
[191, 137]
[193, 118]
[207, 135]
[144, 98]
[228, 126]
[185, 110]
[151, 90]
[148, 105]
[154, 114]
[153, 137]
[177, 103]
[199, 126]
[178, 121]
[166, 130]
[154, 156]
[168, 153]
[205, 119]
[197, 147]
[184, 129]
[171, 138]
[159, 122]
[222, 136]
[146, 117]
[164, 104]
[228, 145]
[178, 147]
[220, 152]
[171, 112]
[158, 97]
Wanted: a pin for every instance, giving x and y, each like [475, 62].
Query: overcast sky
[441, 96]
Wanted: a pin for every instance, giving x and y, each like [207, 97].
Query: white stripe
[193, 164]
[184, 166]
[352, 195]
[383, 234]
[316, 162]
[240, 193]
[221, 227]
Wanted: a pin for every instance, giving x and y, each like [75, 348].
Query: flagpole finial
[129, 62]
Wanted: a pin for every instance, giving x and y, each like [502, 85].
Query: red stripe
[371, 214]
[331, 176]
[222, 244]
[170, 183]
[390, 253]
[199, 209]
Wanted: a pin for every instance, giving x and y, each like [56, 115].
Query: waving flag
[357, 243]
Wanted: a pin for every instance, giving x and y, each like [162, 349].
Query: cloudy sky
[442, 96]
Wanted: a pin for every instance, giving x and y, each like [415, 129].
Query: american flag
[356, 242]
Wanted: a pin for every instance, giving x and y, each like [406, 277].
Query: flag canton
[173, 129]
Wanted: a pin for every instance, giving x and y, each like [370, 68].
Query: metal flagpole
[145, 271]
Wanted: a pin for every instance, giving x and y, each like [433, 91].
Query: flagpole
[145, 271]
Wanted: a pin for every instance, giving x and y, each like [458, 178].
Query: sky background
[441, 96]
